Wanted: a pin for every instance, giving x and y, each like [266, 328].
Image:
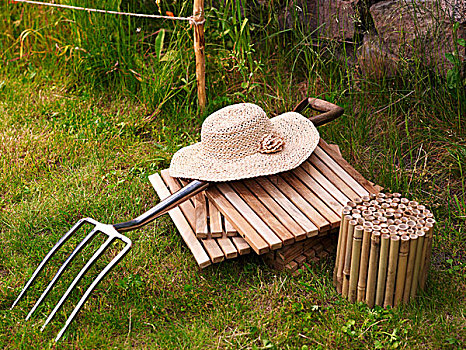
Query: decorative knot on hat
[270, 143]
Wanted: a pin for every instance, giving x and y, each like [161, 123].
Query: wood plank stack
[286, 216]
[384, 249]
[291, 258]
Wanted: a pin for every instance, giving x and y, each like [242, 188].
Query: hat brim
[301, 138]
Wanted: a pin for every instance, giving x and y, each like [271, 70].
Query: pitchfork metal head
[112, 234]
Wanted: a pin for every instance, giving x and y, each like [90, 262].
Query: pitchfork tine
[89, 290]
[61, 270]
[57, 246]
[81, 273]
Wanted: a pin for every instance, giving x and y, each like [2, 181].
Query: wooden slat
[335, 148]
[297, 198]
[325, 183]
[267, 217]
[182, 224]
[310, 228]
[253, 238]
[202, 229]
[227, 247]
[337, 169]
[213, 249]
[332, 177]
[186, 207]
[297, 231]
[265, 232]
[229, 229]
[319, 191]
[215, 222]
[348, 168]
[241, 245]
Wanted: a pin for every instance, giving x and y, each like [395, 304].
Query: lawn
[80, 140]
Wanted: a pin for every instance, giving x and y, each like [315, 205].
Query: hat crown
[235, 131]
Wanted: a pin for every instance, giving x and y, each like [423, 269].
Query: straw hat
[240, 141]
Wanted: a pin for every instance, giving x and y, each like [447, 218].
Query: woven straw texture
[240, 141]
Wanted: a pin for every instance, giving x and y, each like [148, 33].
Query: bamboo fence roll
[384, 249]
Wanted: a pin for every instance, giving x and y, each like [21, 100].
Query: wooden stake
[391, 272]
[347, 266]
[401, 270]
[341, 257]
[382, 270]
[410, 268]
[199, 47]
[372, 271]
[355, 263]
[366, 244]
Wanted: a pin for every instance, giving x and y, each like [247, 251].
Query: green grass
[77, 143]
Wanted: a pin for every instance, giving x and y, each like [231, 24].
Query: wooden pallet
[269, 212]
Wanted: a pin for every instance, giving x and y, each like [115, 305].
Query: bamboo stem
[372, 270]
[199, 47]
[355, 263]
[417, 262]
[401, 271]
[425, 263]
[347, 265]
[341, 257]
[366, 244]
[410, 268]
[340, 234]
[382, 270]
[391, 272]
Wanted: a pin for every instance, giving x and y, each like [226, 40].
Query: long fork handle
[193, 188]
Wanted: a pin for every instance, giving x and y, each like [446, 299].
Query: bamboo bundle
[384, 249]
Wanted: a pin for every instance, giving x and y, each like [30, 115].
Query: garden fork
[331, 112]
[114, 232]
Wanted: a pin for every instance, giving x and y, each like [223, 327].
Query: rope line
[191, 19]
